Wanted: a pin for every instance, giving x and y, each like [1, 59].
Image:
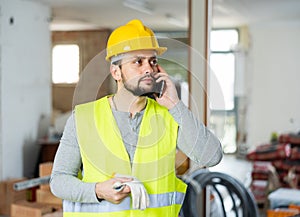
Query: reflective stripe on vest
[103, 154]
[159, 200]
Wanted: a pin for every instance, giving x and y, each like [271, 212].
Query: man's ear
[115, 72]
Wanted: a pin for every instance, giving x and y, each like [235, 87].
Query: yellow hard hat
[131, 37]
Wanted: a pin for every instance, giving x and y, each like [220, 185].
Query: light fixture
[139, 5]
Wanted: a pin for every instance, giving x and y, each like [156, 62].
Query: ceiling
[166, 15]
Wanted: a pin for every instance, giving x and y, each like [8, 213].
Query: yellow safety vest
[104, 154]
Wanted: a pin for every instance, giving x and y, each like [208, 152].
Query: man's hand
[169, 96]
[104, 190]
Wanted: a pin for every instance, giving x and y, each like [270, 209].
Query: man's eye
[154, 62]
[138, 61]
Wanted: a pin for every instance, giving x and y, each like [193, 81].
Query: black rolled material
[243, 202]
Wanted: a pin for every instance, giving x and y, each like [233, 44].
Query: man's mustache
[147, 76]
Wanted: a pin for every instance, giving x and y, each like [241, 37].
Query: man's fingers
[118, 186]
[123, 179]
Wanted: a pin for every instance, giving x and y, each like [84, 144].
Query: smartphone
[161, 86]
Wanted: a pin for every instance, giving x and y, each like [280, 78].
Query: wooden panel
[90, 43]
[62, 97]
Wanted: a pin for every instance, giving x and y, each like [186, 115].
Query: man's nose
[148, 68]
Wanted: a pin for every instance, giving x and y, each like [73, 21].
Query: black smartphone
[160, 88]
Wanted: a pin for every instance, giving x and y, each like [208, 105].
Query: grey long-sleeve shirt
[194, 139]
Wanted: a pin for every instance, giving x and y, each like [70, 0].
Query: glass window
[223, 40]
[222, 81]
[222, 69]
[65, 63]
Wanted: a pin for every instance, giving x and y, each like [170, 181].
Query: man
[126, 143]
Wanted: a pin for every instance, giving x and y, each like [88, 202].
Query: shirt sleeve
[67, 163]
[195, 139]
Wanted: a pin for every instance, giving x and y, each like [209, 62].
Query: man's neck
[127, 102]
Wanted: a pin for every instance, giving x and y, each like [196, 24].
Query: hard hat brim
[159, 51]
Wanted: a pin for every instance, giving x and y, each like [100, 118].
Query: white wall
[25, 92]
[273, 80]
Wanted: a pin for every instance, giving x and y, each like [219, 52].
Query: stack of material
[270, 152]
[43, 194]
[46, 204]
[289, 168]
[34, 209]
[264, 176]
[275, 165]
[285, 159]
[260, 180]
[8, 195]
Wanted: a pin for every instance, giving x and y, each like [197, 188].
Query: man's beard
[138, 90]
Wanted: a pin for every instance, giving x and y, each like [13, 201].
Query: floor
[238, 168]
